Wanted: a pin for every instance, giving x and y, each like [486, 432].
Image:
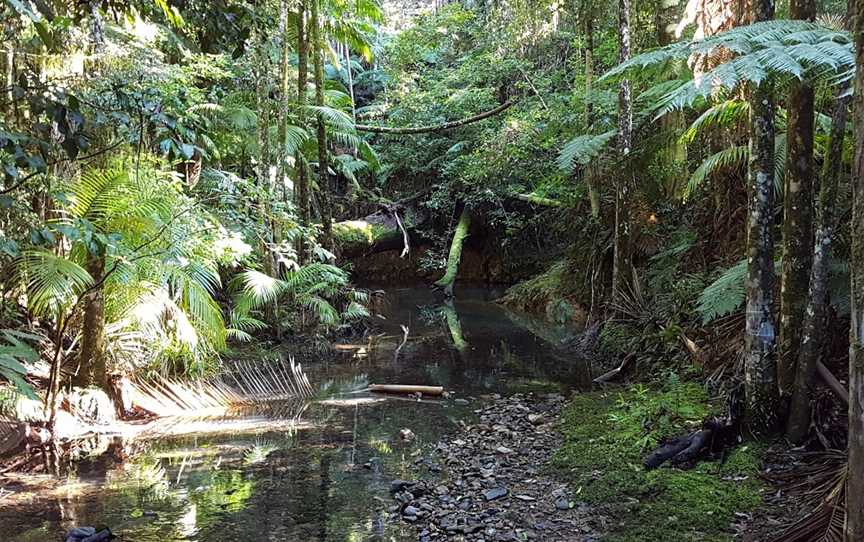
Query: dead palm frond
[240, 384]
[823, 480]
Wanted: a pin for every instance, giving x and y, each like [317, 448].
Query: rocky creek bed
[489, 481]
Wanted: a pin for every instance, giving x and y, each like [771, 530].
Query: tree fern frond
[726, 114]
[724, 295]
[727, 158]
[582, 149]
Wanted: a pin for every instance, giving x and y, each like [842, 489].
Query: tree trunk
[760, 364]
[285, 94]
[590, 171]
[797, 219]
[301, 178]
[323, 166]
[446, 282]
[855, 483]
[92, 370]
[622, 264]
[350, 83]
[814, 325]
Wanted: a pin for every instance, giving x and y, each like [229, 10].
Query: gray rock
[495, 493]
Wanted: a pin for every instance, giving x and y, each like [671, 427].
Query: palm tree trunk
[760, 365]
[813, 327]
[622, 264]
[446, 282]
[855, 483]
[302, 181]
[797, 219]
[92, 370]
[323, 165]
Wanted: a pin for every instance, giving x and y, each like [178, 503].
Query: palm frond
[52, 282]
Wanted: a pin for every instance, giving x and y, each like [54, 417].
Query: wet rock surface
[488, 482]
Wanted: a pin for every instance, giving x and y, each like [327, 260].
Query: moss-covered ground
[606, 436]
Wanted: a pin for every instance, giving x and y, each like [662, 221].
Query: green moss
[605, 439]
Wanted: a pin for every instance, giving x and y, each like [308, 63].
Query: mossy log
[377, 232]
[446, 282]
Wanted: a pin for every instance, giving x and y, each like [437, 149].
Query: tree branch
[435, 128]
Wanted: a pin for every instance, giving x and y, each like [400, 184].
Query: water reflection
[255, 476]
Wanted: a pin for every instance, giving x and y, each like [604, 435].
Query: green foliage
[606, 437]
[14, 352]
[777, 50]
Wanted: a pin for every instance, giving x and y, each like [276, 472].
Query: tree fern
[782, 50]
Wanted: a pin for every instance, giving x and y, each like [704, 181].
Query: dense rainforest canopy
[681, 181]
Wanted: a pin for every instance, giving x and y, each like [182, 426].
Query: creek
[314, 471]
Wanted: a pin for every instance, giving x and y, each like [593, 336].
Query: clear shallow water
[253, 477]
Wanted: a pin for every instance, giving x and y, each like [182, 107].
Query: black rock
[399, 485]
[495, 493]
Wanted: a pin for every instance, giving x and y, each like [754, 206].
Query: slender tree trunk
[797, 219]
[302, 180]
[285, 96]
[92, 370]
[350, 83]
[622, 264]
[814, 324]
[590, 171]
[97, 28]
[446, 282]
[760, 363]
[323, 165]
[855, 484]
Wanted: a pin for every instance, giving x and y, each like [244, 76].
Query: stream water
[260, 476]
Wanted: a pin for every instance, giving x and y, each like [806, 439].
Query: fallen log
[715, 435]
[379, 232]
[406, 389]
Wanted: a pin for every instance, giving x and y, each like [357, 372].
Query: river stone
[562, 503]
[461, 402]
[495, 493]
